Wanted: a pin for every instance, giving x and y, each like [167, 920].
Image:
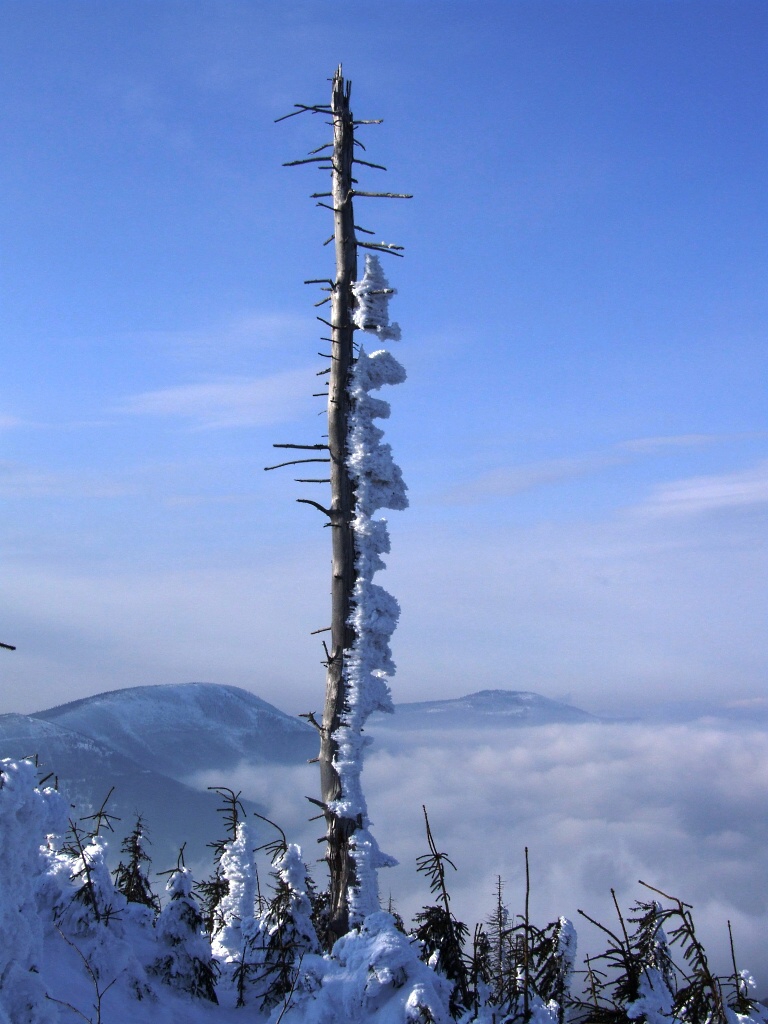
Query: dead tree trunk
[338, 828]
[341, 828]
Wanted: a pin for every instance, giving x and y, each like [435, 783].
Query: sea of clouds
[599, 806]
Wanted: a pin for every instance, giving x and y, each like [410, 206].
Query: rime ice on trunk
[378, 483]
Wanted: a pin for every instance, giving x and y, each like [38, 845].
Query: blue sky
[583, 306]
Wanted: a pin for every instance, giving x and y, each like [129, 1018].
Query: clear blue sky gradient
[583, 305]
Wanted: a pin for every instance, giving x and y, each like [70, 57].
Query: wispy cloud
[517, 479]
[702, 494]
[20, 481]
[234, 402]
[250, 330]
[652, 445]
[512, 480]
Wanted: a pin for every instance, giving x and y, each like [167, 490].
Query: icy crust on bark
[378, 484]
[372, 311]
[378, 480]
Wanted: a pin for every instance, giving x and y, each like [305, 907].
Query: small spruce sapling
[700, 999]
[740, 1000]
[529, 968]
[132, 875]
[479, 972]
[442, 935]
[554, 956]
[185, 962]
[235, 911]
[500, 959]
[213, 890]
[94, 892]
[613, 976]
[286, 931]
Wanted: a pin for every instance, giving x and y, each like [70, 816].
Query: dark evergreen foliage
[511, 969]
[441, 933]
[132, 877]
[75, 845]
[633, 964]
[286, 929]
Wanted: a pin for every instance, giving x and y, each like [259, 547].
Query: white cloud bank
[599, 806]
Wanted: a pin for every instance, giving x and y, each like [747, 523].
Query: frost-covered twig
[93, 974]
[289, 996]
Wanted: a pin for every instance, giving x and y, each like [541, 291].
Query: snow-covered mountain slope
[147, 741]
[190, 727]
[87, 769]
[486, 708]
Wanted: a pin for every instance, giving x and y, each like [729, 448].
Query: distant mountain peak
[485, 708]
[222, 725]
[158, 693]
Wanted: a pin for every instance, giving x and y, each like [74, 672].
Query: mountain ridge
[487, 709]
[223, 725]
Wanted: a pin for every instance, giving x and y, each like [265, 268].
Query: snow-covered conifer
[285, 933]
[374, 975]
[94, 898]
[27, 816]
[554, 956]
[213, 890]
[500, 960]
[235, 912]
[184, 961]
[440, 934]
[95, 920]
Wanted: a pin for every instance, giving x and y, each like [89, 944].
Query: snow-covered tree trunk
[339, 825]
[363, 479]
